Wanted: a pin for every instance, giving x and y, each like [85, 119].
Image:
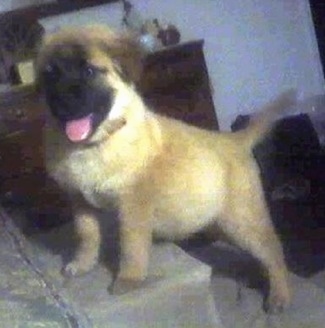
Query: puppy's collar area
[114, 126]
[79, 130]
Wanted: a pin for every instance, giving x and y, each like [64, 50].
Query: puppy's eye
[89, 72]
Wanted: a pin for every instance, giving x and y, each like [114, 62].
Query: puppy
[169, 179]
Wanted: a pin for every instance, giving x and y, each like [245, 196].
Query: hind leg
[253, 231]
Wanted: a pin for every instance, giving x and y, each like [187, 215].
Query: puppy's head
[83, 74]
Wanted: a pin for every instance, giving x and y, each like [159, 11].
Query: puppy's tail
[261, 123]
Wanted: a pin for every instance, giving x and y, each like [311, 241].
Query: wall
[254, 48]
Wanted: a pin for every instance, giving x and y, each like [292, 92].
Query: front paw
[123, 285]
[277, 302]
[77, 268]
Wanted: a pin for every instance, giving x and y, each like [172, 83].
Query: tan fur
[169, 179]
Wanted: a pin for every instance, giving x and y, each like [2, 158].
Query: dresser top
[174, 51]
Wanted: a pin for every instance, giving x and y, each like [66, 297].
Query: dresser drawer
[24, 180]
[175, 83]
[22, 152]
[169, 76]
[173, 69]
[22, 111]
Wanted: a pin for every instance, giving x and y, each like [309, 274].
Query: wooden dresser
[175, 82]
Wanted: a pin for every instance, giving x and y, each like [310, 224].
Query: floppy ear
[129, 55]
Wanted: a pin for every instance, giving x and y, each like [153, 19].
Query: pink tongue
[78, 130]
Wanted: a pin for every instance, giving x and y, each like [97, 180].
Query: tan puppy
[168, 178]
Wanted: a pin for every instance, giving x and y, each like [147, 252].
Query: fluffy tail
[261, 123]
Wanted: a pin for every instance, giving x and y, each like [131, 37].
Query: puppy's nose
[74, 91]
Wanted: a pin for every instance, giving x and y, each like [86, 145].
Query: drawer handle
[167, 70]
[19, 113]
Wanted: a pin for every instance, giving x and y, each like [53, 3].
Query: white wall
[254, 48]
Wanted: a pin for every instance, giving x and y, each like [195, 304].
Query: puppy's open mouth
[79, 129]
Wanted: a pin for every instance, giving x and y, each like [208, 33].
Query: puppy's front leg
[135, 243]
[88, 232]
